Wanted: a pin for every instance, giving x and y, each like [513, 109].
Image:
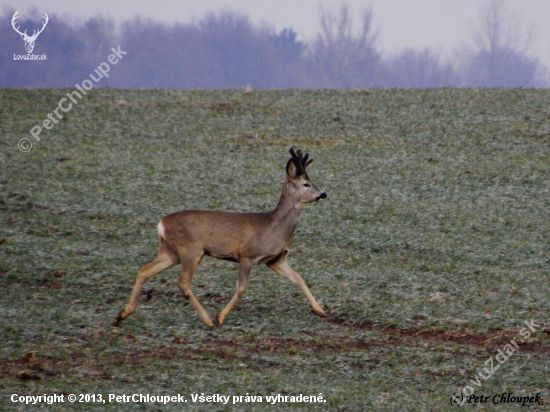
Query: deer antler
[24, 34]
[47, 19]
[301, 161]
[13, 21]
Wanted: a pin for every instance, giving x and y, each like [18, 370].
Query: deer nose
[323, 195]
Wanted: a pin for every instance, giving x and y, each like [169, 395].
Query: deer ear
[291, 168]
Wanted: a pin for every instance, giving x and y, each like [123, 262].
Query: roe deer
[247, 238]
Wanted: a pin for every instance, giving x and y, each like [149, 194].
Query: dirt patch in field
[254, 353]
[490, 340]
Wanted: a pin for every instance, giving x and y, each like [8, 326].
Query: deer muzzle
[323, 195]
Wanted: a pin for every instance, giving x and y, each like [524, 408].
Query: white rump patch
[160, 228]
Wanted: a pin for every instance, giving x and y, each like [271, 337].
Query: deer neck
[286, 214]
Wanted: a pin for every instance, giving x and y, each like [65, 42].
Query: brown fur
[246, 238]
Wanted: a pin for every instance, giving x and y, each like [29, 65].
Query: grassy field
[430, 253]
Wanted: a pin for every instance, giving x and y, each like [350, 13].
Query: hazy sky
[442, 25]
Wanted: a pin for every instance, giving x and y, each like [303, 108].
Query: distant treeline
[227, 50]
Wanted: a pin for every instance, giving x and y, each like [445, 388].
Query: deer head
[29, 40]
[300, 185]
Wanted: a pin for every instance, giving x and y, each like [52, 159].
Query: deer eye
[307, 185]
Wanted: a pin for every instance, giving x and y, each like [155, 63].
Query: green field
[430, 252]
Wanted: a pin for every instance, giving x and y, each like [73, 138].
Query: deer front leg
[163, 261]
[281, 267]
[244, 271]
[184, 283]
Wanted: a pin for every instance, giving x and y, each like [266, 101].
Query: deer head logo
[29, 40]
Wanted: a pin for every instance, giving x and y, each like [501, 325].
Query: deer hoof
[320, 313]
[219, 321]
[118, 319]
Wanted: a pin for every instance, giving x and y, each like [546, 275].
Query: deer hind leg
[282, 268]
[165, 259]
[188, 266]
[244, 271]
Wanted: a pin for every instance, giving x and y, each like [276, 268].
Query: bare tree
[418, 69]
[500, 58]
[345, 59]
[497, 31]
